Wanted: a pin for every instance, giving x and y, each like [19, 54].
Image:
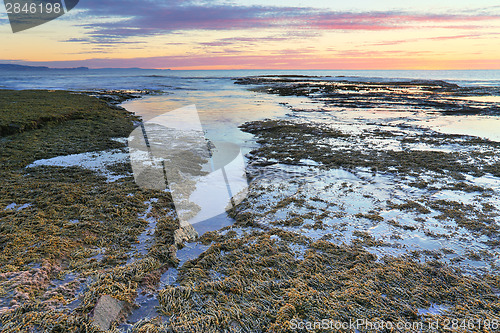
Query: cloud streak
[148, 18]
[389, 60]
[438, 38]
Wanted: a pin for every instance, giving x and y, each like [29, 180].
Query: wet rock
[107, 311]
[185, 234]
[172, 250]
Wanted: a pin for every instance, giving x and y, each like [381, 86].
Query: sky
[263, 34]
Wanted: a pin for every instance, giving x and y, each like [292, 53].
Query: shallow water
[94, 161]
[221, 111]
[481, 126]
[359, 206]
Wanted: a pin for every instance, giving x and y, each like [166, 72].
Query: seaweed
[70, 223]
[263, 286]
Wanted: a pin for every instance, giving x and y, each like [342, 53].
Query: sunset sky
[263, 34]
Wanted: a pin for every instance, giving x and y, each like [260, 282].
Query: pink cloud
[151, 18]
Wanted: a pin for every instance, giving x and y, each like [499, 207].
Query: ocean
[171, 80]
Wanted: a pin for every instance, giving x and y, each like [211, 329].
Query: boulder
[107, 311]
[184, 234]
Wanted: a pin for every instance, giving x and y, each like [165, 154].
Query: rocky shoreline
[348, 218]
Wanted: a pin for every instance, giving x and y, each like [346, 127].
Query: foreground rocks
[108, 310]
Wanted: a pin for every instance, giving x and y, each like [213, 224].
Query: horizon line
[262, 69]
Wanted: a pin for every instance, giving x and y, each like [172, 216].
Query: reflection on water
[484, 99]
[220, 111]
[481, 126]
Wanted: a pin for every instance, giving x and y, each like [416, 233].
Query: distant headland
[14, 67]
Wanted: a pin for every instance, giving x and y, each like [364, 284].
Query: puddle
[17, 207]
[146, 238]
[483, 99]
[348, 198]
[480, 126]
[434, 309]
[94, 161]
